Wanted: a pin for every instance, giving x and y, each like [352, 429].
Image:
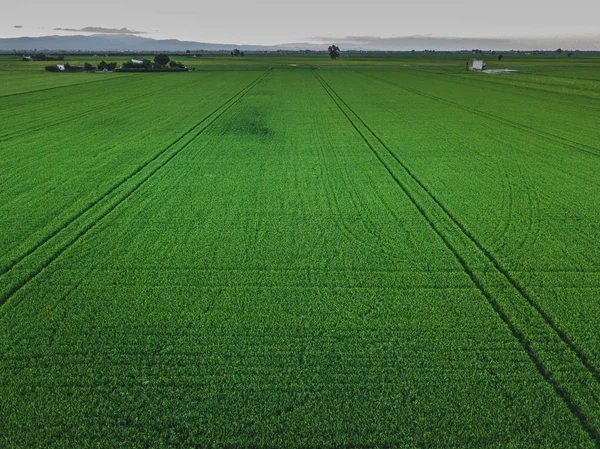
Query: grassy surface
[294, 252]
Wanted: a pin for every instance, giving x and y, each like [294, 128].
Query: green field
[299, 253]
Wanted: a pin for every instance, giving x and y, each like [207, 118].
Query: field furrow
[83, 183]
[543, 134]
[49, 83]
[15, 277]
[553, 223]
[291, 251]
[581, 398]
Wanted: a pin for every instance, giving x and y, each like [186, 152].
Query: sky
[270, 22]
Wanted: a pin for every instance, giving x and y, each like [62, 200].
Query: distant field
[293, 252]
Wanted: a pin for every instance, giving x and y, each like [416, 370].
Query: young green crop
[365, 257]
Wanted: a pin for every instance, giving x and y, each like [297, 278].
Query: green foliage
[145, 64]
[334, 51]
[176, 65]
[162, 60]
[379, 255]
[110, 66]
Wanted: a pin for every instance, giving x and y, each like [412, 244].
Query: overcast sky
[282, 21]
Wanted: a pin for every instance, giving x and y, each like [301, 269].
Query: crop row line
[84, 112]
[44, 126]
[63, 87]
[489, 255]
[203, 285]
[114, 187]
[62, 120]
[334, 205]
[546, 135]
[484, 286]
[128, 351]
[532, 86]
[298, 270]
[193, 132]
[521, 89]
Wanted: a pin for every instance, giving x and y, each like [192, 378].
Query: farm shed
[476, 65]
[61, 67]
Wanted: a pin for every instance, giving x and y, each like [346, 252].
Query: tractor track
[518, 334]
[18, 259]
[29, 128]
[195, 131]
[63, 87]
[523, 90]
[22, 132]
[481, 248]
[548, 136]
[62, 120]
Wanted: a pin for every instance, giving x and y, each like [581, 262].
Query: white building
[476, 65]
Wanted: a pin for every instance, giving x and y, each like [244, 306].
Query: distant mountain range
[112, 42]
[127, 42]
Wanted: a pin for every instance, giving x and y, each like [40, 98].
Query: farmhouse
[61, 67]
[476, 65]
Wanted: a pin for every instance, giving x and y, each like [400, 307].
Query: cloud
[399, 39]
[18, 26]
[416, 42]
[422, 42]
[101, 30]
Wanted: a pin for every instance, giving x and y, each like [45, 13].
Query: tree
[162, 59]
[236, 52]
[88, 67]
[334, 51]
[110, 66]
[500, 57]
[559, 50]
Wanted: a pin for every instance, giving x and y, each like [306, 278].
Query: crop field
[298, 253]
